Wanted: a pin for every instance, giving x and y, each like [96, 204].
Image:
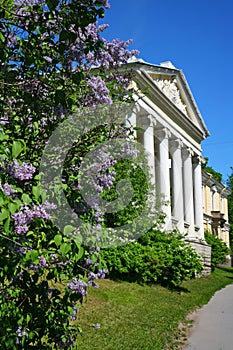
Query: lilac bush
[53, 62]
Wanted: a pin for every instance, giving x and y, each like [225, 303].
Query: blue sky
[197, 36]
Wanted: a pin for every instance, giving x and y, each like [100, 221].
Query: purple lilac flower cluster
[100, 177]
[4, 120]
[21, 172]
[98, 91]
[112, 55]
[95, 276]
[78, 286]
[42, 263]
[25, 216]
[55, 261]
[109, 55]
[115, 54]
[21, 333]
[74, 313]
[26, 2]
[130, 150]
[8, 190]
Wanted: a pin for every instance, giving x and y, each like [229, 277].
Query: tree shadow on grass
[229, 270]
[225, 268]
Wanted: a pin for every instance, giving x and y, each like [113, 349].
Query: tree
[209, 169]
[48, 51]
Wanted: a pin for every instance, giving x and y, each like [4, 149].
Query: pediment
[170, 88]
[174, 86]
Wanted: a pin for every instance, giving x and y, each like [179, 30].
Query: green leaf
[32, 256]
[36, 191]
[65, 248]
[1, 37]
[3, 137]
[4, 214]
[68, 229]
[26, 199]
[80, 253]
[7, 224]
[58, 240]
[78, 240]
[17, 147]
[13, 207]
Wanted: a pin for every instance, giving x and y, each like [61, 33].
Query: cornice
[209, 180]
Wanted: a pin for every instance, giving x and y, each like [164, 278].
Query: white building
[172, 132]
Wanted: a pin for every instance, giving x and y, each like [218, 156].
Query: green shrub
[219, 249]
[157, 257]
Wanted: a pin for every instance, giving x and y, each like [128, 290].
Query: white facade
[171, 131]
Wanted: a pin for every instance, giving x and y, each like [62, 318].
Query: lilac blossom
[42, 263]
[88, 262]
[25, 216]
[95, 276]
[102, 273]
[26, 2]
[55, 261]
[21, 333]
[78, 286]
[20, 250]
[74, 313]
[4, 120]
[8, 190]
[33, 267]
[99, 92]
[96, 325]
[91, 278]
[21, 172]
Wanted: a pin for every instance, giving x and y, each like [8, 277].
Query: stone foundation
[204, 250]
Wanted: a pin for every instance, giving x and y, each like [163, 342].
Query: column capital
[176, 144]
[136, 109]
[148, 121]
[163, 133]
[187, 152]
[198, 159]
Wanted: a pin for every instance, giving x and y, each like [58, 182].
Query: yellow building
[215, 207]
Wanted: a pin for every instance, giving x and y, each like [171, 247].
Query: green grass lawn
[137, 317]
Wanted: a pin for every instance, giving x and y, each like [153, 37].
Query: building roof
[209, 180]
[174, 87]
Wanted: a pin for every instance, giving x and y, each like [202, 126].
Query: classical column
[198, 203]
[148, 124]
[177, 183]
[188, 190]
[164, 175]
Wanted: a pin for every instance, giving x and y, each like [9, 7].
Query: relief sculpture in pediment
[171, 90]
